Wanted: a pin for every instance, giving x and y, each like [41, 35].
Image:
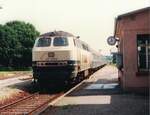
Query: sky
[92, 20]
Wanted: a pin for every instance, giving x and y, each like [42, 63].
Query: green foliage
[16, 42]
[8, 69]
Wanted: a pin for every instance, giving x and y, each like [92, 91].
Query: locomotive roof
[58, 33]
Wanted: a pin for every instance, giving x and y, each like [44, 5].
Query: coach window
[143, 47]
[43, 42]
[60, 41]
[85, 47]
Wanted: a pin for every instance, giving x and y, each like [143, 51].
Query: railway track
[30, 105]
[35, 103]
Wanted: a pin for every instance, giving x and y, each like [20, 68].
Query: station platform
[100, 95]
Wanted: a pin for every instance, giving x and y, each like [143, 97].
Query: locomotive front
[53, 58]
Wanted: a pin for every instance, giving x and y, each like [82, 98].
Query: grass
[11, 74]
[8, 72]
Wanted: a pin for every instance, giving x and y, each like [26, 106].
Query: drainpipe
[115, 26]
[115, 31]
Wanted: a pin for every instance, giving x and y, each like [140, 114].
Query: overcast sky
[92, 20]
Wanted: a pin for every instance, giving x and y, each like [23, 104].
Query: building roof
[134, 12]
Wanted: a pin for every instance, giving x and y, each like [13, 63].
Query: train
[61, 57]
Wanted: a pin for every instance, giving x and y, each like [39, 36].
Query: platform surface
[101, 95]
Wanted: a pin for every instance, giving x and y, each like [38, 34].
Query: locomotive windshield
[60, 41]
[43, 42]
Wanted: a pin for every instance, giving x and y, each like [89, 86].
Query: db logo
[51, 54]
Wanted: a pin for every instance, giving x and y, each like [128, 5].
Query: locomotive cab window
[60, 41]
[43, 42]
[143, 47]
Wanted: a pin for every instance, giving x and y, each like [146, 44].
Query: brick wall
[127, 29]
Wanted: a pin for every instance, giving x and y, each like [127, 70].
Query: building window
[143, 47]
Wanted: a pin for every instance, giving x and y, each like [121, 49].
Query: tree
[8, 45]
[16, 42]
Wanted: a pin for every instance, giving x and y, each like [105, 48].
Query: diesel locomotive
[62, 57]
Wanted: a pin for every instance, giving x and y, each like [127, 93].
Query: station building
[133, 31]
